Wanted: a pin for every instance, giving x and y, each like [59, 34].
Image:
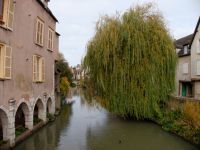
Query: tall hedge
[131, 62]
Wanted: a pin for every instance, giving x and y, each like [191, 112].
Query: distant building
[188, 67]
[28, 49]
[78, 72]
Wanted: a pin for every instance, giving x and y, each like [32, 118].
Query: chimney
[45, 2]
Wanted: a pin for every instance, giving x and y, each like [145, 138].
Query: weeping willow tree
[131, 62]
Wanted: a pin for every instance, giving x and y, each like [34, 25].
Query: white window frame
[39, 37]
[50, 39]
[185, 68]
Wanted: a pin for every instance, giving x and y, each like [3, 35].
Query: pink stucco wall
[22, 41]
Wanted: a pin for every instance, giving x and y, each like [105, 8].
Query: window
[39, 32]
[185, 68]
[50, 39]
[187, 89]
[7, 13]
[10, 14]
[198, 67]
[1, 9]
[38, 69]
[5, 61]
[185, 49]
[198, 46]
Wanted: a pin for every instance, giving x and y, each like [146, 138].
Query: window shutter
[52, 33]
[10, 14]
[37, 32]
[1, 61]
[8, 62]
[50, 39]
[1, 9]
[198, 67]
[185, 68]
[43, 69]
[42, 32]
[34, 68]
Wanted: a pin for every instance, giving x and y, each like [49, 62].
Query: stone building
[78, 72]
[28, 49]
[188, 67]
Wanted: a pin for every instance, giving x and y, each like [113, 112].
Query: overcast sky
[77, 20]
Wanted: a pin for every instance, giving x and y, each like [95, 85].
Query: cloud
[77, 20]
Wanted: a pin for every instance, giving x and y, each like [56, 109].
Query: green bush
[36, 120]
[50, 117]
[19, 130]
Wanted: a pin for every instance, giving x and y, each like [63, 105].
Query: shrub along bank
[182, 118]
[65, 76]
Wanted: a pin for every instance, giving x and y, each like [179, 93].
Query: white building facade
[188, 66]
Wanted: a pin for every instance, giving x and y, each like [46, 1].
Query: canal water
[87, 126]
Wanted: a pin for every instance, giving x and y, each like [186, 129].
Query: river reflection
[87, 126]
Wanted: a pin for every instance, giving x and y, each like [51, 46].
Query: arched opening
[39, 112]
[21, 119]
[3, 126]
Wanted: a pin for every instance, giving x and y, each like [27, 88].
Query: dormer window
[185, 49]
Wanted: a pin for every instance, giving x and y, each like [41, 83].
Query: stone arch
[4, 124]
[23, 115]
[50, 105]
[39, 111]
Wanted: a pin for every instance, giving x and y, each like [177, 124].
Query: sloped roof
[180, 43]
[195, 31]
[187, 40]
[47, 10]
[184, 41]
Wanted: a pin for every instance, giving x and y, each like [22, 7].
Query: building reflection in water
[48, 138]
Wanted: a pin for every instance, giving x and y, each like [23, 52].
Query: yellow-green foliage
[64, 86]
[131, 62]
[191, 112]
[182, 117]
